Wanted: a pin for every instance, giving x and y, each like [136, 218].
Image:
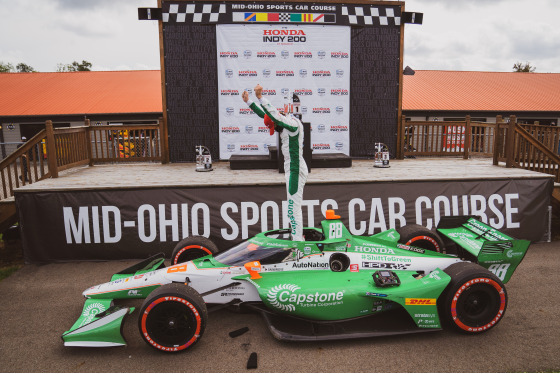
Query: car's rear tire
[421, 237]
[192, 248]
[173, 318]
[475, 299]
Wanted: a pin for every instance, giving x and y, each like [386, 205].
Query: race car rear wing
[496, 251]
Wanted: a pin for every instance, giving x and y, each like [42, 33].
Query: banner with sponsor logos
[126, 224]
[311, 61]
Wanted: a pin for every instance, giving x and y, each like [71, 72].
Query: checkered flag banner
[194, 13]
[371, 16]
[328, 13]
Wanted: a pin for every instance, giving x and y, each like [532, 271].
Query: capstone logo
[303, 92]
[321, 146]
[229, 92]
[248, 147]
[303, 73]
[321, 110]
[339, 128]
[303, 54]
[321, 73]
[247, 73]
[229, 73]
[91, 311]
[229, 55]
[339, 92]
[266, 55]
[284, 73]
[339, 55]
[285, 297]
[230, 130]
[247, 53]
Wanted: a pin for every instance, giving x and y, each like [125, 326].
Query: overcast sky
[479, 35]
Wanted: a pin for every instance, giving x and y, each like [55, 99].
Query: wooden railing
[530, 147]
[26, 165]
[466, 138]
[444, 138]
[53, 150]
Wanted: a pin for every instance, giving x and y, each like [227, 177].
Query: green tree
[74, 66]
[6, 67]
[24, 68]
[519, 67]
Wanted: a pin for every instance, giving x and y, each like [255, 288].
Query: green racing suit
[295, 168]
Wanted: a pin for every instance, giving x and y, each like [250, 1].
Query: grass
[6, 271]
[11, 258]
[555, 227]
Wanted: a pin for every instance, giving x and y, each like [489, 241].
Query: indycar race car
[332, 285]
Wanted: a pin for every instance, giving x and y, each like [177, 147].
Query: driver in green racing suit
[295, 168]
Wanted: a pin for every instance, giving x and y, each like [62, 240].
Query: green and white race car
[332, 285]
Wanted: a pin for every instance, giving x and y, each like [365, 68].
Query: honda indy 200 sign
[311, 61]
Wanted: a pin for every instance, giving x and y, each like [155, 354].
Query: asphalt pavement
[38, 303]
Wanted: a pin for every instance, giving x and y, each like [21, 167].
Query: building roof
[120, 92]
[99, 92]
[437, 90]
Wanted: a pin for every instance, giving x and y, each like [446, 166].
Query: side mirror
[254, 268]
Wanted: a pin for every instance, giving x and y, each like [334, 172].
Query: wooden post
[496, 150]
[400, 138]
[467, 145]
[89, 150]
[164, 141]
[51, 150]
[510, 142]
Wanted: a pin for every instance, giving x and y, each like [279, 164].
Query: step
[251, 162]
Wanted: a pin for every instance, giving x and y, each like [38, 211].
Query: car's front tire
[173, 318]
[192, 248]
[475, 299]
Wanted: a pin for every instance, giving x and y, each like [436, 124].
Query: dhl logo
[420, 301]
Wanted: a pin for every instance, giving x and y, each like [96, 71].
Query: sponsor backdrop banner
[191, 69]
[312, 61]
[126, 224]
